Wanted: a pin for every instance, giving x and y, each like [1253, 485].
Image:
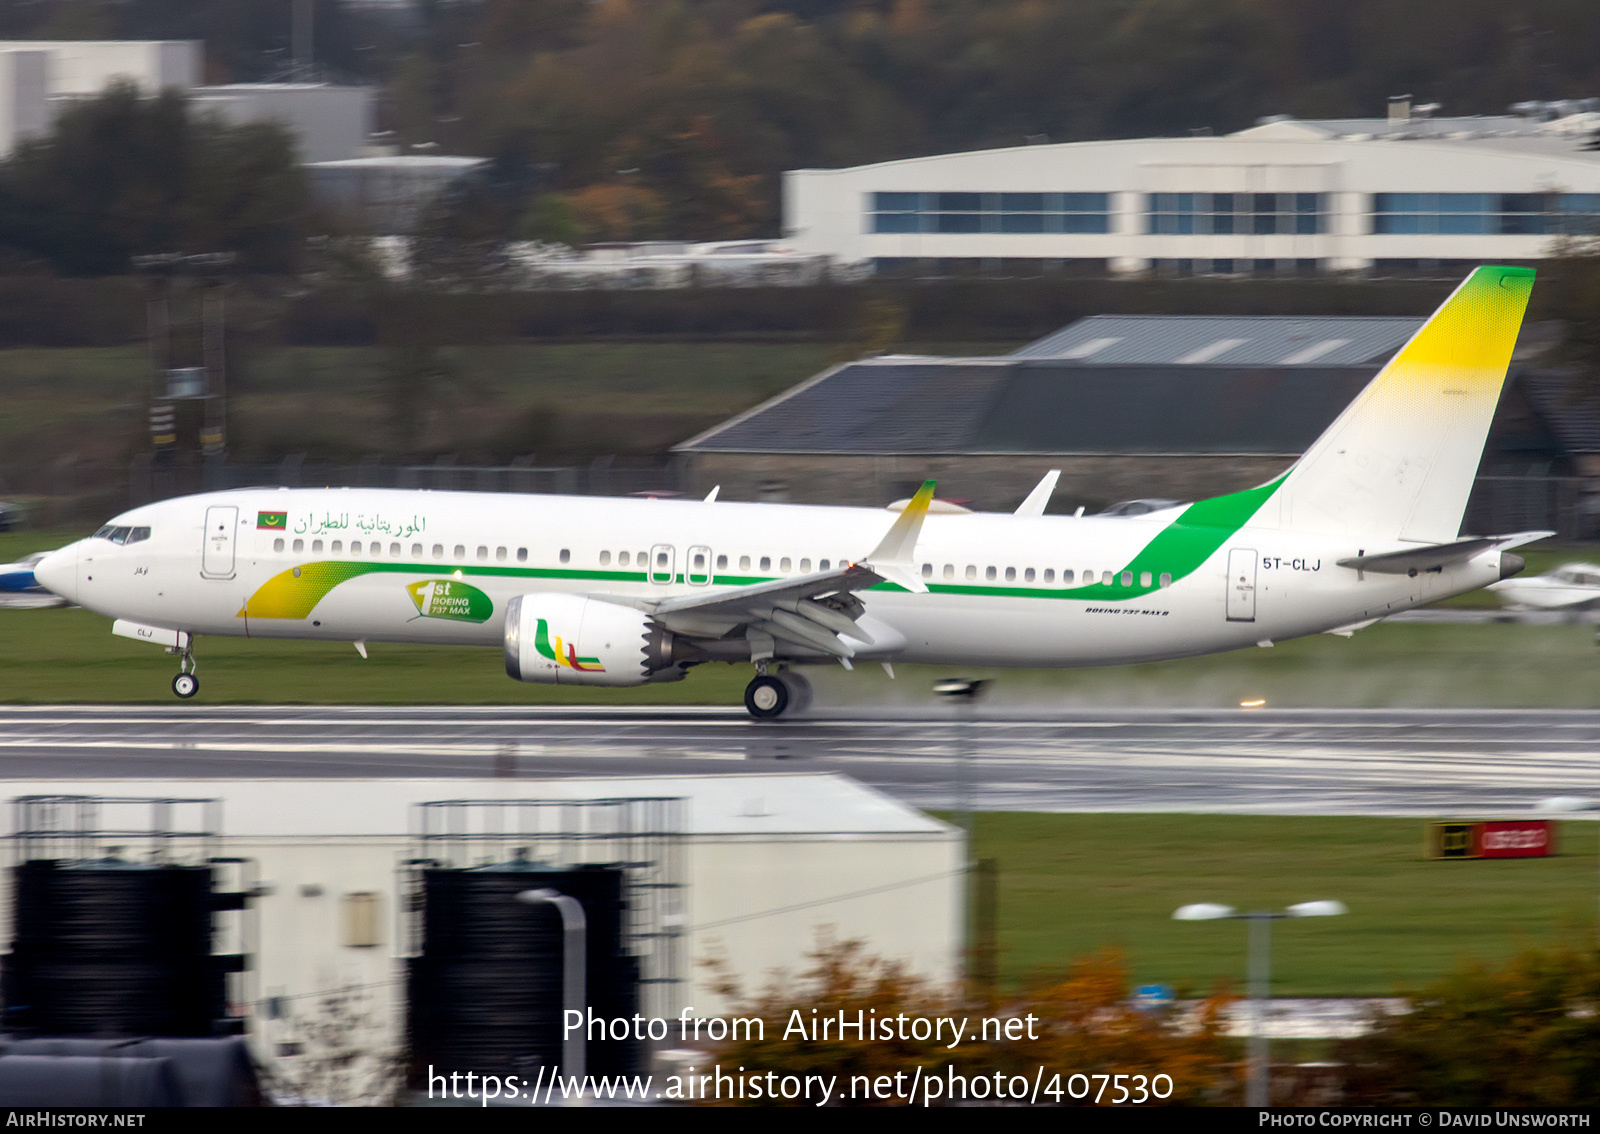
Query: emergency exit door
[1241, 585]
[216, 555]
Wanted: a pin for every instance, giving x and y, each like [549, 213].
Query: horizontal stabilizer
[1437, 555]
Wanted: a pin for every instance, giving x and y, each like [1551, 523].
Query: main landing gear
[771, 695]
[186, 684]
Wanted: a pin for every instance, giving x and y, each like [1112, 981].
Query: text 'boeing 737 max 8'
[600, 591]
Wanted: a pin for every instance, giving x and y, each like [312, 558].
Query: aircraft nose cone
[58, 572]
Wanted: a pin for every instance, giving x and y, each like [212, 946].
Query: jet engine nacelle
[573, 640]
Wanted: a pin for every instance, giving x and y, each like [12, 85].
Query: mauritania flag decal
[279, 520]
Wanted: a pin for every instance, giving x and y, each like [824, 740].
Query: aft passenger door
[1241, 585]
[216, 554]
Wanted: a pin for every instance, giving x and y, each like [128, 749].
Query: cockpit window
[122, 534]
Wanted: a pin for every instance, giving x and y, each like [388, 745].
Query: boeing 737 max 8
[600, 591]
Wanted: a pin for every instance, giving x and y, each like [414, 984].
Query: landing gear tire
[185, 685]
[799, 690]
[767, 697]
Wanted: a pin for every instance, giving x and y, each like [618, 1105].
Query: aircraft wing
[813, 614]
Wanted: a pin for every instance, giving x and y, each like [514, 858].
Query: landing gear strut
[771, 695]
[186, 684]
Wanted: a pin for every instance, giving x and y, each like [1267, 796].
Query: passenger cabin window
[500, 554]
[355, 547]
[1066, 576]
[483, 555]
[1050, 575]
[416, 551]
[972, 571]
[522, 555]
[927, 570]
[766, 562]
[1127, 578]
[805, 566]
[784, 564]
[1027, 576]
[316, 544]
[1011, 574]
[394, 550]
[1144, 578]
[823, 566]
[337, 546]
[277, 545]
[622, 558]
[438, 551]
[949, 570]
[988, 573]
[722, 563]
[1166, 579]
[744, 563]
[299, 546]
[605, 559]
[460, 551]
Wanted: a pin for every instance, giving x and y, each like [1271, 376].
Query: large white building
[1285, 196]
[38, 78]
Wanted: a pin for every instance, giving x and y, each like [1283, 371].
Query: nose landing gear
[185, 684]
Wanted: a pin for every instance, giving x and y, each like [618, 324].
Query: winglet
[711, 496]
[892, 557]
[1034, 505]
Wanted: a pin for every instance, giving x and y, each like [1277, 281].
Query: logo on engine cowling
[452, 599]
[563, 653]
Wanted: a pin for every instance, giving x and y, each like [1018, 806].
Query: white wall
[826, 211]
[24, 96]
[328, 122]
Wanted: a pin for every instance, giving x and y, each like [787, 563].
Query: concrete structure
[328, 122]
[39, 77]
[769, 861]
[1401, 194]
[387, 192]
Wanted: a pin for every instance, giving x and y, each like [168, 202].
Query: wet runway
[1279, 761]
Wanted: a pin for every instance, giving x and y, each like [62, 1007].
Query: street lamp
[574, 943]
[1260, 966]
[1568, 804]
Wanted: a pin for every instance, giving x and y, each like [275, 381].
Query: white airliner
[600, 591]
[1575, 586]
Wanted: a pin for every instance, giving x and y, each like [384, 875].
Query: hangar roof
[1262, 340]
[1029, 405]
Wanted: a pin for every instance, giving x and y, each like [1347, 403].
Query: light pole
[964, 692]
[1260, 967]
[1568, 804]
[574, 944]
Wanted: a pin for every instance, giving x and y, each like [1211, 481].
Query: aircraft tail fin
[1399, 462]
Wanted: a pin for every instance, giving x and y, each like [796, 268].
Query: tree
[1525, 1034]
[123, 175]
[1082, 1024]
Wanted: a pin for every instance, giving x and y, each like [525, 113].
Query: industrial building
[38, 78]
[345, 904]
[1406, 193]
[1130, 407]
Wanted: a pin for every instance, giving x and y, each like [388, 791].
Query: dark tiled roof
[1574, 420]
[1236, 340]
[1046, 406]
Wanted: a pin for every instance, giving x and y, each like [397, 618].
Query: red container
[1523, 838]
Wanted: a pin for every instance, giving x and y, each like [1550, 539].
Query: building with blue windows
[1404, 194]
